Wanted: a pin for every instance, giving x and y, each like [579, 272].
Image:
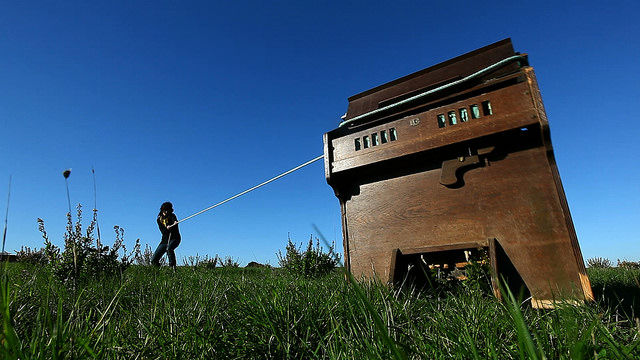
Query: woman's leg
[160, 250]
[170, 252]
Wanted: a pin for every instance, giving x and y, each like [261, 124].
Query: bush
[209, 263]
[32, 256]
[478, 272]
[625, 264]
[81, 259]
[201, 262]
[228, 262]
[144, 257]
[599, 263]
[312, 262]
[206, 262]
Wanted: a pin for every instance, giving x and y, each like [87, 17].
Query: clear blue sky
[195, 101]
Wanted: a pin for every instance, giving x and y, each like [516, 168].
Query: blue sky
[195, 101]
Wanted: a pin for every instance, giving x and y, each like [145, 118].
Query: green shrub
[599, 263]
[227, 262]
[32, 256]
[209, 263]
[204, 262]
[478, 272]
[628, 264]
[81, 259]
[145, 257]
[311, 262]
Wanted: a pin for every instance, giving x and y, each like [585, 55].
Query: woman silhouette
[168, 224]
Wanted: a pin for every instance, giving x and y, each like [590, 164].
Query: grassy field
[232, 313]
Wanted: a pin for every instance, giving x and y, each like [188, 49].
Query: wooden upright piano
[451, 161]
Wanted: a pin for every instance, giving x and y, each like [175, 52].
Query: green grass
[618, 288]
[222, 313]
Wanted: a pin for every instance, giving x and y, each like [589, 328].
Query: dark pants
[162, 248]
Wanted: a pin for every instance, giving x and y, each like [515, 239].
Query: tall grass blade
[620, 350]
[95, 206]
[11, 346]
[6, 218]
[525, 340]
[383, 331]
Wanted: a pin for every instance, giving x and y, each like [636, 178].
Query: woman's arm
[173, 220]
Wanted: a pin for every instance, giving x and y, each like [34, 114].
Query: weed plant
[201, 261]
[599, 263]
[629, 264]
[83, 258]
[32, 256]
[311, 262]
[145, 257]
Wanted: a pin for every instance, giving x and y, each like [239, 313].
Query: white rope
[255, 187]
[439, 88]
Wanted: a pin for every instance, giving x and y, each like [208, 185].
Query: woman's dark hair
[166, 206]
